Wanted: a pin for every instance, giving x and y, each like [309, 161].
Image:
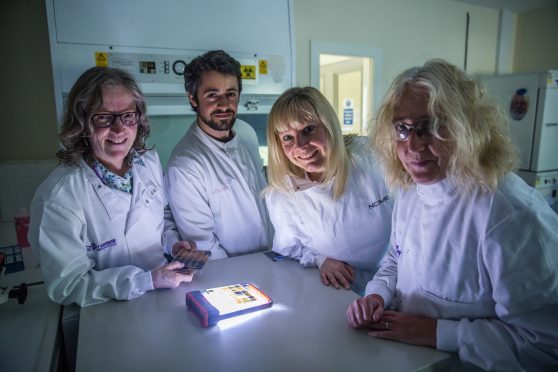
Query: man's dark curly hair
[215, 60]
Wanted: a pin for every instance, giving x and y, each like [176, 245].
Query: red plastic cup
[22, 227]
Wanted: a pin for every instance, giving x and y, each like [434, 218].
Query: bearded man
[215, 174]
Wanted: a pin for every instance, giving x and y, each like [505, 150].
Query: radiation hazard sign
[101, 59]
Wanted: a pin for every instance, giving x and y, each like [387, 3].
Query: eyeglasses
[127, 119]
[421, 129]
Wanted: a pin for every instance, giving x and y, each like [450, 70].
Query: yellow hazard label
[101, 59]
[263, 66]
[248, 72]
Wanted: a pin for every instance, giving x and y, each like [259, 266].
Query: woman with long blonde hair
[473, 258]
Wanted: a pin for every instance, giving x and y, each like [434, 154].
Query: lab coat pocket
[452, 308]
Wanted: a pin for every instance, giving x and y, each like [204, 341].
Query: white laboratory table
[29, 338]
[304, 330]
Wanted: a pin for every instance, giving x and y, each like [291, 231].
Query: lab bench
[305, 329]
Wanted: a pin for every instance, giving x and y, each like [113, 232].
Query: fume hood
[155, 40]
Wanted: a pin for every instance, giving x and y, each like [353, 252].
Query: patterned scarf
[113, 180]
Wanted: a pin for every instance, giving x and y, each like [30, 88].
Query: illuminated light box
[215, 304]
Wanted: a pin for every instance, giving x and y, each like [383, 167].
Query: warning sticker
[248, 72]
[263, 66]
[101, 59]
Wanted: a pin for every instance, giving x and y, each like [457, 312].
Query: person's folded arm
[70, 275]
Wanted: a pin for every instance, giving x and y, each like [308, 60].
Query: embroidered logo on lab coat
[226, 186]
[99, 247]
[378, 202]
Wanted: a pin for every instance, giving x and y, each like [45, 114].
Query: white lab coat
[96, 243]
[214, 189]
[484, 265]
[310, 226]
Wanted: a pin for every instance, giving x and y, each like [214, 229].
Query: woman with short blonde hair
[294, 108]
[327, 198]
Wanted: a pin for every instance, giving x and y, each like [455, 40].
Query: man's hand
[411, 329]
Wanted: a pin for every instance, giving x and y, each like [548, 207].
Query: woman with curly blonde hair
[472, 266]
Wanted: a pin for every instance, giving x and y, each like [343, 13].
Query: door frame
[376, 54]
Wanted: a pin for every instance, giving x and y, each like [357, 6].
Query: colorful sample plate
[192, 260]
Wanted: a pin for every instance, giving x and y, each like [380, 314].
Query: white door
[349, 78]
[344, 82]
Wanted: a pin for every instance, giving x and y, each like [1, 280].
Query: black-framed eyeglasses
[106, 120]
[421, 128]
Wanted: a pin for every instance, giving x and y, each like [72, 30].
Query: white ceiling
[516, 6]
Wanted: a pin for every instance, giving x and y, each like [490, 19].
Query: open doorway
[349, 77]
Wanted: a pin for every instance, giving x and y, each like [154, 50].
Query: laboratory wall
[27, 111]
[408, 32]
[535, 43]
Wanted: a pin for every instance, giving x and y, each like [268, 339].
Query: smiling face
[422, 156]
[306, 147]
[111, 145]
[216, 103]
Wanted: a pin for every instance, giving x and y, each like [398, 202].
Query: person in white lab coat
[215, 174]
[472, 267]
[97, 220]
[327, 197]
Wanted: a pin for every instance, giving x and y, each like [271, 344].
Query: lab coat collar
[143, 193]
[107, 196]
[301, 184]
[436, 193]
[141, 172]
[212, 142]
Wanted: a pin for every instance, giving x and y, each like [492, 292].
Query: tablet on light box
[215, 304]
